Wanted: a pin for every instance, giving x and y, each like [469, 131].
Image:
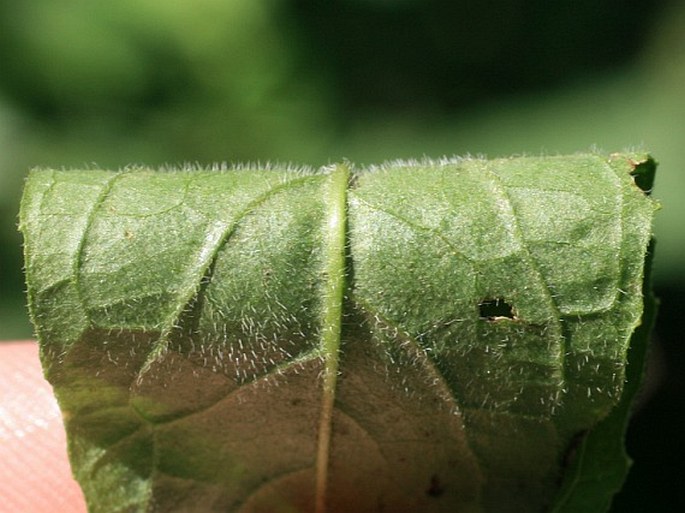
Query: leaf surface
[435, 336]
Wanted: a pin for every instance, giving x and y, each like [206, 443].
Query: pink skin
[34, 470]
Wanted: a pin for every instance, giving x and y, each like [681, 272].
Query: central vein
[334, 271]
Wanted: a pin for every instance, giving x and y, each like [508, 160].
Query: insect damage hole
[491, 309]
[642, 174]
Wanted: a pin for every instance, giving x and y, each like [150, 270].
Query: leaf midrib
[334, 290]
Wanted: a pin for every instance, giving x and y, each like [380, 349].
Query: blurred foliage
[433, 54]
[95, 83]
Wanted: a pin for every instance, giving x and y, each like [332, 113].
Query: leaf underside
[434, 336]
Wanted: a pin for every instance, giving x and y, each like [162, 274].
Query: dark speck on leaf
[435, 489]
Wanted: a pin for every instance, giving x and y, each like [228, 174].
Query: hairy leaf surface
[434, 336]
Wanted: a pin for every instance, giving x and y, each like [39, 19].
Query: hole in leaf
[643, 174]
[491, 309]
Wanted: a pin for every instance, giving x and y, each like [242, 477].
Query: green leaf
[435, 336]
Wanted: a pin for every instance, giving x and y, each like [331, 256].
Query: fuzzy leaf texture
[434, 336]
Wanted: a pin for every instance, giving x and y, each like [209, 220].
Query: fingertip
[34, 469]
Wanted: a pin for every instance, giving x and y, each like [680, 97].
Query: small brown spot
[571, 452]
[435, 488]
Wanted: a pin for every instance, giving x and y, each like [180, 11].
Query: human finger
[35, 476]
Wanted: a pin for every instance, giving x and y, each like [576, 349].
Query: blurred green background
[94, 83]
